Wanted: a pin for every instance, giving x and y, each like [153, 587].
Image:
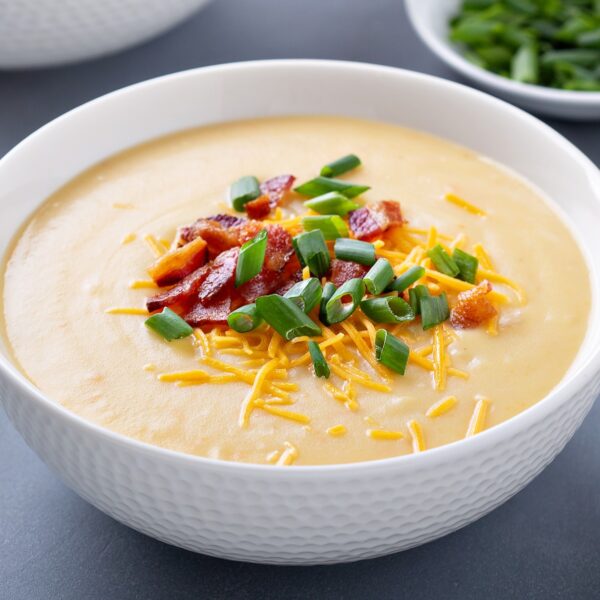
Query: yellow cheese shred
[384, 434]
[461, 286]
[439, 358]
[477, 422]
[141, 284]
[458, 201]
[361, 380]
[128, 238]
[336, 431]
[126, 310]
[280, 412]
[366, 352]
[255, 391]
[288, 456]
[305, 273]
[203, 342]
[155, 246]
[341, 396]
[441, 407]
[483, 257]
[416, 434]
[497, 278]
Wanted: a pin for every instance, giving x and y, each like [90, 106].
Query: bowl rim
[449, 54]
[573, 381]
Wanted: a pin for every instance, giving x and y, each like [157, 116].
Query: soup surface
[84, 250]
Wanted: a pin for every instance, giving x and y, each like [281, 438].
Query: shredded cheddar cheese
[416, 434]
[155, 246]
[255, 391]
[280, 412]
[128, 238]
[288, 456]
[336, 431]
[439, 358]
[441, 407]
[477, 422]
[384, 434]
[126, 310]
[140, 284]
[458, 201]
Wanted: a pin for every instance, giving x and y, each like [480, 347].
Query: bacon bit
[227, 221]
[276, 188]
[218, 237]
[371, 221]
[473, 307]
[214, 313]
[259, 208]
[344, 270]
[183, 292]
[220, 276]
[290, 281]
[176, 264]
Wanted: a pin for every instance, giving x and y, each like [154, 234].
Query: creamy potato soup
[460, 324]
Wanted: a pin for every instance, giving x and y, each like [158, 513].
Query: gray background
[544, 543]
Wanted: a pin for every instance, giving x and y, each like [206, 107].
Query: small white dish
[430, 19]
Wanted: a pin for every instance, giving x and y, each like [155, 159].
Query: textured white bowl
[40, 33]
[301, 514]
[430, 20]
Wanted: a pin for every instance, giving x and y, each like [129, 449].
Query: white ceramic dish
[320, 514]
[430, 20]
[40, 33]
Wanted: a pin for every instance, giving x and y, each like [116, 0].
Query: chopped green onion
[391, 351]
[341, 165]
[285, 317]
[332, 203]
[387, 309]
[415, 295]
[355, 251]
[242, 191]
[379, 276]
[332, 226]
[407, 278]
[306, 294]
[467, 265]
[434, 310]
[312, 251]
[345, 300]
[319, 363]
[169, 324]
[525, 65]
[443, 262]
[328, 291]
[584, 57]
[322, 185]
[251, 258]
[244, 319]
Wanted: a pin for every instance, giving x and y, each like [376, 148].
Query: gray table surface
[543, 543]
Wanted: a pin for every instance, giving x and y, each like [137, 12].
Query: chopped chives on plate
[243, 191]
[251, 258]
[332, 226]
[328, 291]
[467, 265]
[407, 278]
[443, 262]
[355, 251]
[244, 319]
[391, 351]
[306, 294]
[415, 295]
[434, 310]
[341, 165]
[345, 300]
[312, 251]
[169, 325]
[285, 317]
[323, 185]
[319, 363]
[332, 203]
[379, 276]
[387, 309]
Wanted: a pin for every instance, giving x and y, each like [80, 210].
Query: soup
[487, 251]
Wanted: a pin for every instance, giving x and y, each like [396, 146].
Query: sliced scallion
[415, 295]
[312, 251]
[306, 294]
[391, 351]
[355, 251]
[379, 276]
[285, 317]
[243, 191]
[319, 363]
[434, 310]
[169, 325]
[244, 319]
[332, 226]
[322, 185]
[251, 258]
[467, 265]
[387, 309]
[345, 300]
[407, 278]
[332, 203]
[443, 262]
[341, 165]
[328, 291]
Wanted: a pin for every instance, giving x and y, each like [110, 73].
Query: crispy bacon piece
[217, 237]
[220, 276]
[215, 313]
[259, 208]
[344, 270]
[473, 307]
[370, 221]
[182, 293]
[276, 188]
[227, 221]
[176, 264]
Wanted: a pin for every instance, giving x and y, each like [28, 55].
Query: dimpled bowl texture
[301, 515]
[40, 33]
[430, 19]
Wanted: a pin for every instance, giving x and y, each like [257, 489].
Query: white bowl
[430, 20]
[40, 33]
[312, 514]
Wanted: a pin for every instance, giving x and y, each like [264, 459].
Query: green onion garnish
[387, 309]
[306, 294]
[312, 251]
[332, 226]
[244, 319]
[379, 276]
[434, 310]
[443, 262]
[415, 295]
[242, 191]
[251, 258]
[407, 278]
[319, 362]
[285, 317]
[355, 251]
[322, 185]
[328, 291]
[467, 265]
[169, 324]
[391, 351]
[341, 165]
[332, 203]
[345, 300]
